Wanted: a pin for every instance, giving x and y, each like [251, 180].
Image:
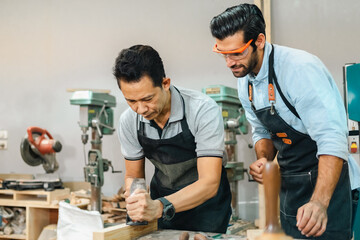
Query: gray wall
[328, 29]
[49, 46]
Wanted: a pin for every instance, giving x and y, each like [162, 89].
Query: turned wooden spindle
[271, 177]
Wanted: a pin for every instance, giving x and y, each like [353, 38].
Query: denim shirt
[310, 88]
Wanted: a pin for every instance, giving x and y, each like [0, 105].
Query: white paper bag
[75, 223]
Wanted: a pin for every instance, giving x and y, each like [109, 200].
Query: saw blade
[28, 154]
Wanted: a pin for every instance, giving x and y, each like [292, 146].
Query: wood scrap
[113, 208]
[199, 236]
[184, 236]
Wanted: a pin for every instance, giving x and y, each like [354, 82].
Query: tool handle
[42, 144]
[271, 177]
[138, 183]
[43, 132]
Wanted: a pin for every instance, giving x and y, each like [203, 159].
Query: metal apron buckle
[272, 110]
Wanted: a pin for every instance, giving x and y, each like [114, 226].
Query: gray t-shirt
[203, 117]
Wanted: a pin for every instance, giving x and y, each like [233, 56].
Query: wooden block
[76, 186]
[262, 218]
[125, 232]
[253, 233]
[122, 204]
[273, 236]
[117, 210]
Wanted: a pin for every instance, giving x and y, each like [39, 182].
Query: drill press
[235, 123]
[95, 113]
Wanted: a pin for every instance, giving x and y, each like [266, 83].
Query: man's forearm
[328, 176]
[209, 169]
[134, 169]
[264, 148]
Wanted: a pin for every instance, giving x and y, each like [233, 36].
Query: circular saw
[39, 147]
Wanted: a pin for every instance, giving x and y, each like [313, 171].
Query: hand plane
[138, 183]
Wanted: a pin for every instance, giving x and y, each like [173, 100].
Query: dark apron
[175, 164]
[299, 170]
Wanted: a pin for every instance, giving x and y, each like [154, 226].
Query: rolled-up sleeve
[321, 108]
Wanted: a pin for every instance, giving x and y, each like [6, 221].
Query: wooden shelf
[40, 210]
[13, 236]
[31, 197]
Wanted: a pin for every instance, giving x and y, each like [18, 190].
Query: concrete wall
[49, 46]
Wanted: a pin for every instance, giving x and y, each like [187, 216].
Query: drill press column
[95, 113]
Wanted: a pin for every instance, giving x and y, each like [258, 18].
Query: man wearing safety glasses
[296, 112]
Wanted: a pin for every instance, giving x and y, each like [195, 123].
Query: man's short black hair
[244, 17]
[139, 60]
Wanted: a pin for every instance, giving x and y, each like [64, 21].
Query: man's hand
[312, 219]
[140, 207]
[256, 169]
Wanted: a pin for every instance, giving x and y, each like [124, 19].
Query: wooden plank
[125, 232]
[13, 236]
[76, 186]
[259, 4]
[16, 176]
[262, 218]
[31, 197]
[267, 17]
[88, 89]
[37, 219]
[265, 7]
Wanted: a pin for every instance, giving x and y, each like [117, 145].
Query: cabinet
[41, 209]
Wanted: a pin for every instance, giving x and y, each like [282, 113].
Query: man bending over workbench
[181, 132]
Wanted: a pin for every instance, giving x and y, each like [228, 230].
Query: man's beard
[252, 64]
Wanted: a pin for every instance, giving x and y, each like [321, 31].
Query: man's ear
[260, 41]
[166, 83]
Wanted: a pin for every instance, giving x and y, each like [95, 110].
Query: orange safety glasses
[239, 50]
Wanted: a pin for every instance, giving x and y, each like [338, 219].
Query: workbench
[150, 231]
[174, 235]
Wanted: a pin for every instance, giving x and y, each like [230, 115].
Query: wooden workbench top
[174, 235]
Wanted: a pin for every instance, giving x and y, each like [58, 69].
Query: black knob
[57, 146]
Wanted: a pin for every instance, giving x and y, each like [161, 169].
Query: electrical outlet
[3, 144]
[3, 134]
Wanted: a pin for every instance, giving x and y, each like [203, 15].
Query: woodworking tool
[138, 183]
[39, 147]
[235, 123]
[273, 231]
[95, 113]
